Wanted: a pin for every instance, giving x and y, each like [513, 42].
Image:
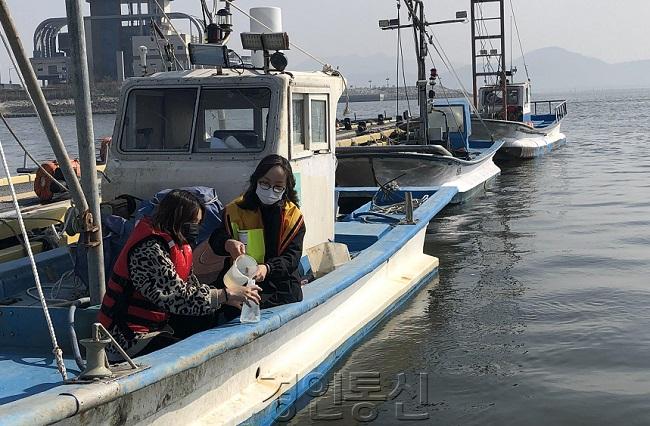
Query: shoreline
[56, 114]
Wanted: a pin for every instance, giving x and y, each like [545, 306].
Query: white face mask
[268, 196]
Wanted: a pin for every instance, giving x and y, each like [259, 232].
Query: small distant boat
[504, 108]
[527, 133]
[463, 162]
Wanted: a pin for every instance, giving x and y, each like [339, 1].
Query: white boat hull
[250, 373]
[521, 141]
[415, 169]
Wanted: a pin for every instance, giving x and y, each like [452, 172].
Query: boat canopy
[519, 97]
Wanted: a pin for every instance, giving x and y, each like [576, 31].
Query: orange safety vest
[127, 307]
[238, 219]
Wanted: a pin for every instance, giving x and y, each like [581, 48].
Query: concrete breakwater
[60, 98]
[367, 94]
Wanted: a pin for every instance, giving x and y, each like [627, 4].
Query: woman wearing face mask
[152, 292]
[266, 223]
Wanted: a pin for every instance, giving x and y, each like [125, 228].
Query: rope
[6, 123]
[521, 48]
[406, 88]
[451, 69]
[31, 157]
[56, 350]
[397, 208]
[13, 62]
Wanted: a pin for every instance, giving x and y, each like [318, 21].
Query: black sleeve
[219, 237]
[285, 264]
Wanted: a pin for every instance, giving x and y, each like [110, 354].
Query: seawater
[31, 134]
[540, 312]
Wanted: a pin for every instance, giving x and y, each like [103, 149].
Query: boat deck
[29, 366]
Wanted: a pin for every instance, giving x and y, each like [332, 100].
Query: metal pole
[473, 20]
[422, 77]
[504, 78]
[41, 107]
[86, 142]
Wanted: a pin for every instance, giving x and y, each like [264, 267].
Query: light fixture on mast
[267, 42]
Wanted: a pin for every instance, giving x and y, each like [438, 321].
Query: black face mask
[191, 232]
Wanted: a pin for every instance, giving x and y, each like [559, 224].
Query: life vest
[123, 304]
[44, 185]
[250, 222]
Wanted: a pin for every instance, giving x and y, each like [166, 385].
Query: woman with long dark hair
[266, 223]
[152, 291]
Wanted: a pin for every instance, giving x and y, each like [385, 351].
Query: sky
[607, 30]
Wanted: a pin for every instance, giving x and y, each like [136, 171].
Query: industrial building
[115, 30]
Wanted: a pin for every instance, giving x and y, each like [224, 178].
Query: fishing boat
[443, 149]
[505, 109]
[366, 263]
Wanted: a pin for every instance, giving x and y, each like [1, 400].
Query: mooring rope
[56, 350]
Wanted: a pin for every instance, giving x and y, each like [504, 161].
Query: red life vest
[126, 307]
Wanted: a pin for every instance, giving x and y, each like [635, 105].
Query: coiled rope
[56, 350]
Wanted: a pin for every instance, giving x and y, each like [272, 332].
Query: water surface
[540, 315]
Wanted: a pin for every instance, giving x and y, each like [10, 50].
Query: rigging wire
[447, 63]
[444, 94]
[400, 59]
[56, 350]
[171, 24]
[31, 157]
[6, 123]
[521, 48]
[323, 63]
[399, 5]
[326, 67]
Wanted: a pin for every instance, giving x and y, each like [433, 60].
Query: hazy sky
[614, 31]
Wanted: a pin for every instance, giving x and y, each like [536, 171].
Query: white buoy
[271, 17]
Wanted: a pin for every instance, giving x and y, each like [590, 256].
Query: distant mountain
[550, 68]
[556, 68]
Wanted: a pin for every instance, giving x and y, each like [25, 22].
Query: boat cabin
[211, 128]
[519, 100]
[449, 123]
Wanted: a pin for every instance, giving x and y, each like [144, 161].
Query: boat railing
[556, 107]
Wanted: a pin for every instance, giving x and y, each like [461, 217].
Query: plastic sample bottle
[250, 312]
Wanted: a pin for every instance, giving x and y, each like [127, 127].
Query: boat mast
[484, 54]
[419, 26]
[86, 144]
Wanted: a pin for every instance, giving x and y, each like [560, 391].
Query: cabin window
[493, 97]
[454, 117]
[309, 122]
[158, 120]
[232, 120]
[298, 122]
[318, 122]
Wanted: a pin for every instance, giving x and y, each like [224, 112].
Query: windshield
[454, 117]
[227, 120]
[493, 97]
[232, 120]
[158, 120]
